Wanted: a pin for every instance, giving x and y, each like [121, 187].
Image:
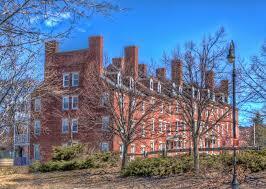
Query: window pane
[65, 103]
[36, 152]
[74, 126]
[65, 80]
[37, 127]
[37, 104]
[75, 79]
[74, 102]
[64, 125]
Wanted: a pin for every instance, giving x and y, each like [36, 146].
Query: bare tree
[205, 109]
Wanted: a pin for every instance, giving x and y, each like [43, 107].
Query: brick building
[60, 110]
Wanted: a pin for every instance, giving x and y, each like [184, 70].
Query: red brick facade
[60, 70]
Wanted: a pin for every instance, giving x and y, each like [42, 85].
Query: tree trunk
[124, 156]
[196, 155]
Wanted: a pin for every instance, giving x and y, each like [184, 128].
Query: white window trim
[160, 126]
[34, 152]
[152, 145]
[131, 83]
[151, 84]
[35, 122]
[119, 79]
[72, 121]
[63, 103]
[72, 78]
[161, 108]
[66, 74]
[159, 87]
[67, 121]
[72, 102]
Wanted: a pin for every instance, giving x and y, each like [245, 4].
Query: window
[36, 151]
[66, 80]
[131, 83]
[161, 108]
[133, 104]
[37, 127]
[174, 89]
[132, 151]
[105, 122]
[159, 88]
[104, 99]
[152, 125]
[65, 102]
[143, 107]
[180, 90]
[74, 125]
[37, 104]
[75, 101]
[105, 147]
[193, 92]
[160, 126]
[143, 132]
[152, 146]
[142, 149]
[213, 96]
[121, 101]
[119, 79]
[75, 79]
[65, 124]
[151, 84]
[161, 146]
[152, 100]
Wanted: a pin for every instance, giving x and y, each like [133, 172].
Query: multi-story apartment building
[60, 107]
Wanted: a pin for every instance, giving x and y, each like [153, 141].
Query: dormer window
[119, 79]
[151, 84]
[159, 88]
[131, 83]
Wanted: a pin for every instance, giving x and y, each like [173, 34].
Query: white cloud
[54, 20]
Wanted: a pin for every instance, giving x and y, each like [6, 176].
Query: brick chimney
[142, 70]
[119, 64]
[224, 87]
[209, 80]
[51, 47]
[131, 61]
[177, 73]
[161, 74]
[96, 49]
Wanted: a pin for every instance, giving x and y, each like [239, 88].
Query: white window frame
[143, 130]
[151, 84]
[152, 143]
[143, 107]
[142, 149]
[72, 99]
[73, 79]
[119, 79]
[66, 80]
[65, 120]
[72, 121]
[153, 125]
[161, 108]
[159, 87]
[131, 83]
[63, 102]
[160, 126]
[34, 152]
[37, 127]
[37, 104]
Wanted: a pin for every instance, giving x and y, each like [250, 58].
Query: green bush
[67, 153]
[252, 160]
[90, 161]
[161, 166]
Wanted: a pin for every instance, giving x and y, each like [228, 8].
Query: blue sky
[158, 25]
